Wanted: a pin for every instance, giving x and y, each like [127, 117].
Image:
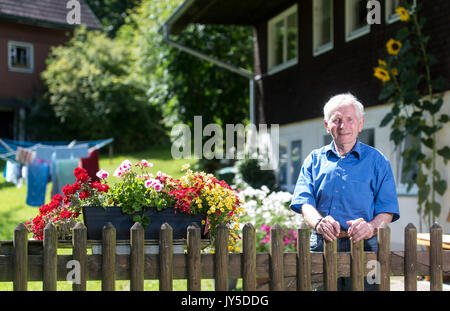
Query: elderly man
[345, 190]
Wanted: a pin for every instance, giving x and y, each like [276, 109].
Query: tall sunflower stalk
[408, 85]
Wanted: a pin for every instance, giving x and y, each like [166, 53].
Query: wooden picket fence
[22, 261]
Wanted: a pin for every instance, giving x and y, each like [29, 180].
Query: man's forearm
[310, 214]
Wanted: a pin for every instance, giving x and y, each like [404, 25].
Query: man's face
[344, 125]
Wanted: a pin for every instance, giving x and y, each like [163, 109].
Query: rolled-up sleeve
[304, 188]
[386, 196]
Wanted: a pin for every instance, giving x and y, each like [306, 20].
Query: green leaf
[440, 186]
[445, 153]
[422, 194]
[429, 142]
[387, 118]
[444, 118]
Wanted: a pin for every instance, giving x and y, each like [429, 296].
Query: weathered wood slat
[384, 257]
[357, 265]
[330, 267]
[108, 267]
[249, 258]
[20, 258]
[50, 258]
[221, 258]
[166, 258]
[79, 252]
[304, 258]
[137, 257]
[276, 258]
[194, 270]
[436, 278]
[410, 267]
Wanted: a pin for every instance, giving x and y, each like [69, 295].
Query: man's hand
[329, 228]
[360, 230]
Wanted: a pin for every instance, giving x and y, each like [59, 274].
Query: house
[305, 51]
[28, 29]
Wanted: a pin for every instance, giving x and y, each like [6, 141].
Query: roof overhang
[219, 12]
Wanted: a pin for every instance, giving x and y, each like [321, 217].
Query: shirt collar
[356, 149]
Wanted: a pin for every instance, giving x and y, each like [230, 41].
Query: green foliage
[410, 87]
[197, 87]
[112, 13]
[252, 174]
[93, 94]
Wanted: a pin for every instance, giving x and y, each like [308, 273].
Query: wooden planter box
[96, 217]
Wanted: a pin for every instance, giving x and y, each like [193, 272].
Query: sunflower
[382, 74]
[403, 13]
[393, 46]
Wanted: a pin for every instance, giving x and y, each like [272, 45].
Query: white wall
[311, 133]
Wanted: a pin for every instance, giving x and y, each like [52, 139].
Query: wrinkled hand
[329, 228]
[360, 230]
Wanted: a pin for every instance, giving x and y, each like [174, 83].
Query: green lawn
[13, 209]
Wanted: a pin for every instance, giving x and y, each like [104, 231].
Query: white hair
[339, 100]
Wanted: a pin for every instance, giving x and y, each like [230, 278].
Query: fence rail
[22, 261]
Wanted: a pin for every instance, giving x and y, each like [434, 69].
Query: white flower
[102, 174]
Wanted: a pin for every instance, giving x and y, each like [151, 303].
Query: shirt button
[338, 174]
[336, 191]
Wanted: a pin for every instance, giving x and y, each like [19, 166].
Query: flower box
[96, 217]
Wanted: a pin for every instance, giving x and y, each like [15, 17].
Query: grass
[14, 210]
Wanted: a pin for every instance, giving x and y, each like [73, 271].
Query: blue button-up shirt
[359, 185]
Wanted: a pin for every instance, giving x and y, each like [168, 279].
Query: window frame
[271, 39]
[392, 18]
[330, 45]
[290, 182]
[353, 34]
[30, 49]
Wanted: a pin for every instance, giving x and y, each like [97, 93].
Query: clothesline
[41, 162]
[8, 147]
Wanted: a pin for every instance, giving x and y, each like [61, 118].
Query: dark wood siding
[299, 92]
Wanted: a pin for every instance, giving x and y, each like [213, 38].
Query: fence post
[249, 258]
[50, 259]
[357, 265]
[137, 257]
[108, 257]
[303, 258]
[276, 258]
[194, 281]
[330, 264]
[221, 258]
[436, 254]
[410, 258]
[384, 257]
[79, 241]
[20, 258]
[166, 257]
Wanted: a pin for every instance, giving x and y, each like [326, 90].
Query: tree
[112, 13]
[94, 95]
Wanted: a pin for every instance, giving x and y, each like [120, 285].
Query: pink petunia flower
[102, 174]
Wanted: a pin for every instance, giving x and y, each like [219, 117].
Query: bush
[252, 174]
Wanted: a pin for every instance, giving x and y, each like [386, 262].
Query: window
[282, 40]
[356, 19]
[20, 57]
[391, 5]
[290, 163]
[322, 26]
